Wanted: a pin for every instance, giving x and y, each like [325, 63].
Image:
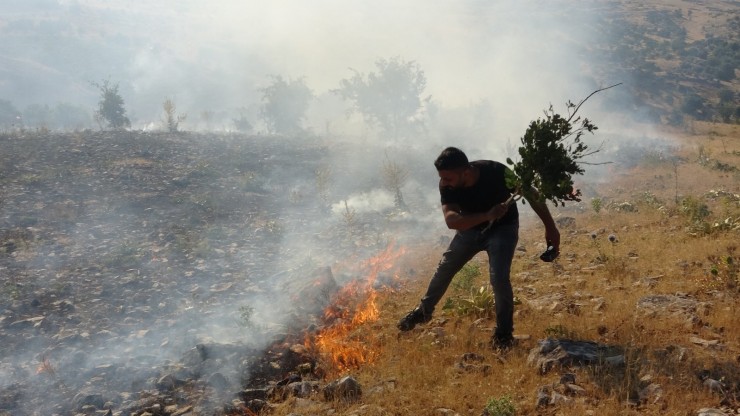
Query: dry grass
[599, 284]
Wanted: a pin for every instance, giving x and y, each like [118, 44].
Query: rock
[436, 332]
[218, 381]
[215, 350]
[313, 292]
[484, 369]
[651, 393]
[574, 389]
[551, 302]
[344, 389]
[169, 382]
[88, 397]
[568, 378]
[251, 394]
[625, 207]
[714, 386]
[472, 362]
[672, 305]
[26, 323]
[303, 388]
[615, 360]
[557, 398]
[551, 353]
[182, 411]
[566, 222]
[704, 342]
[710, 412]
[138, 405]
[64, 306]
[441, 411]
[383, 387]
[256, 405]
[543, 396]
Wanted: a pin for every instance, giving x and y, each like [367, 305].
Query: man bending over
[474, 196]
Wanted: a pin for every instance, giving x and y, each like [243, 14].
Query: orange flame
[341, 340]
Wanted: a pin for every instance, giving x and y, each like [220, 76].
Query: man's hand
[498, 211]
[552, 236]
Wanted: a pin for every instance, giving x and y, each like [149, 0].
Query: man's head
[453, 168]
[450, 159]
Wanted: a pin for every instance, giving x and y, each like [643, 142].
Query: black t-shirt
[488, 190]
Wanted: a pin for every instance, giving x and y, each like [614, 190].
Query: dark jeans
[500, 243]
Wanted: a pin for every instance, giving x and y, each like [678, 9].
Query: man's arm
[455, 220]
[552, 235]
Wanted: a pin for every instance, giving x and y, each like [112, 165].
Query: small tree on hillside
[171, 118]
[284, 105]
[389, 98]
[394, 177]
[111, 106]
[241, 122]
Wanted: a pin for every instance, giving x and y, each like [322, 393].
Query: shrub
[394, 177]
[390, 98]
[596, 204]
[724, 272]
[111, 106]
[560, 332]
[465, 279]
[501, 406]
[284, 104]
[694, 209]
[172, 119]
[241, 122]
[480, 303]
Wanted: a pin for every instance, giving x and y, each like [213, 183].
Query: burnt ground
[125, 256]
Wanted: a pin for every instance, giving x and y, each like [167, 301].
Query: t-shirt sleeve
[447, 196]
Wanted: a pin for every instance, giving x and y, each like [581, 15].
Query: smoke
[517, 56]
[491, 68]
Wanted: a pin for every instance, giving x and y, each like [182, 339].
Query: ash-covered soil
[128, 259]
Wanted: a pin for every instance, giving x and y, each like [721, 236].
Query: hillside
[174, 274]
[681, 57]
[250, 251]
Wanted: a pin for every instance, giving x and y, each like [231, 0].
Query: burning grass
[342, 343]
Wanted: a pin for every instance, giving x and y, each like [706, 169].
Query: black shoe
[503, 343]
[417, 316]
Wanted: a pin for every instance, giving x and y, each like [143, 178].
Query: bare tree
[172, 119]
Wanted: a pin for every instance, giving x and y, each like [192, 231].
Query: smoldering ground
[119, 263]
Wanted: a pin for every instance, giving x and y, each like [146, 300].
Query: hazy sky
[518, 55]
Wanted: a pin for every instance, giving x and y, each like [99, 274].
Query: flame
[353, 306]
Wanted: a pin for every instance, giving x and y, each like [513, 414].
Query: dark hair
[451, 158]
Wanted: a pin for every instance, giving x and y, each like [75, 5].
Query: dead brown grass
[600, 284]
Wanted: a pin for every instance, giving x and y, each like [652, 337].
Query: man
[474, 196]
